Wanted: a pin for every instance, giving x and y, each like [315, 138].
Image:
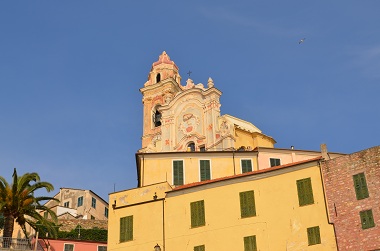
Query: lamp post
[157, 248]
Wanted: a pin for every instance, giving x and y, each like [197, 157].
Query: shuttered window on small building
[305, 192]
[366, 218]
[126, 228]
[197, 210]
[69, 247]
[246, 165]
[313, 235]
[360, 185]
[250, 243]
[177, 172]
[274, 162]
[247, 204]
[205, 170]
[200, 248]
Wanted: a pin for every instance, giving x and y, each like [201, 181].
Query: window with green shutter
[274, 162]
[313, 235]
[80, 201]
[197, 210]
[305, 192]
[126, 228]
[250, 243]
[247, 204]
[200, 248]
[177, 172]
[205, 170]
[246, 165]
[93, 202]
[360, 185]
[102, 248]
[69, 247]
[366, 217]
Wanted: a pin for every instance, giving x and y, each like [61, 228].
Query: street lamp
[157, 248]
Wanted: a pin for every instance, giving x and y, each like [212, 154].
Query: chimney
[324, 152]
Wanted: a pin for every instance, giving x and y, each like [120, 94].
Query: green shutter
[366, 217]
[250, 243]
[360, 185]
[178, 172]
[205, 170]
[247, 204]
[126, 228]
[305, 192]
[69, 247]
[200, 248]
[197, 211]
[274, 162]
[246, 165]
[313, 235]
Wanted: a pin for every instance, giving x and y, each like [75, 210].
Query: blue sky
[70, 73]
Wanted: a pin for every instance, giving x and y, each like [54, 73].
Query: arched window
[157, 118]
[191, 147]
[158, 77]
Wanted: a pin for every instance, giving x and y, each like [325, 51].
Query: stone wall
[68, 225]
[344, 208]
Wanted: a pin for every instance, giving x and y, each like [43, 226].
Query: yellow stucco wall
[244, 138]
[159, 168]
[280, 223]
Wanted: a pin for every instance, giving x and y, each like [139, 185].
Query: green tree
[18, 204]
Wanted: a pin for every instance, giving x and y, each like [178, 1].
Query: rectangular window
[250, 243]
[360, 185]
[197, 209]
[177, 172]
[200, 248]
[202, 148]
[80, 201]
[205, 170]
[106, 212]
[126, 228]
[66, 204]
[93, 202]
[247, 204]
[305, 192]
[102, 248]
[274, 162]
[313, 236]
[366, 217]
[69, 247]
[246, 165]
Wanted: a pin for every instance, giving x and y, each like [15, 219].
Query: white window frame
[274, 158]
[64, 246]
[101, 246]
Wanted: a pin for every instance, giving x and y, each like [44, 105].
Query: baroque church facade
[208, 181]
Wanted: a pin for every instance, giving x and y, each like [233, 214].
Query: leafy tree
[18, 204]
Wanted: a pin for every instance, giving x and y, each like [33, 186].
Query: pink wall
[58, 245]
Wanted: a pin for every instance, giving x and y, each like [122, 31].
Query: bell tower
[162, 85]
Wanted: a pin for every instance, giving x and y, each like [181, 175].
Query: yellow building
[208, 181]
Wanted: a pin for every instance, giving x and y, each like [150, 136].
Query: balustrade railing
[8, 243]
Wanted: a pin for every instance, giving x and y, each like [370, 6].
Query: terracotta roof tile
[195, 184]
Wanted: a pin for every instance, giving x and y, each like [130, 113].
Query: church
[212, 181]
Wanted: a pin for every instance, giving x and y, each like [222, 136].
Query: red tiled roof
[195, 184]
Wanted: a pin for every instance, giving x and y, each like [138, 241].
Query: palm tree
[18, 203]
